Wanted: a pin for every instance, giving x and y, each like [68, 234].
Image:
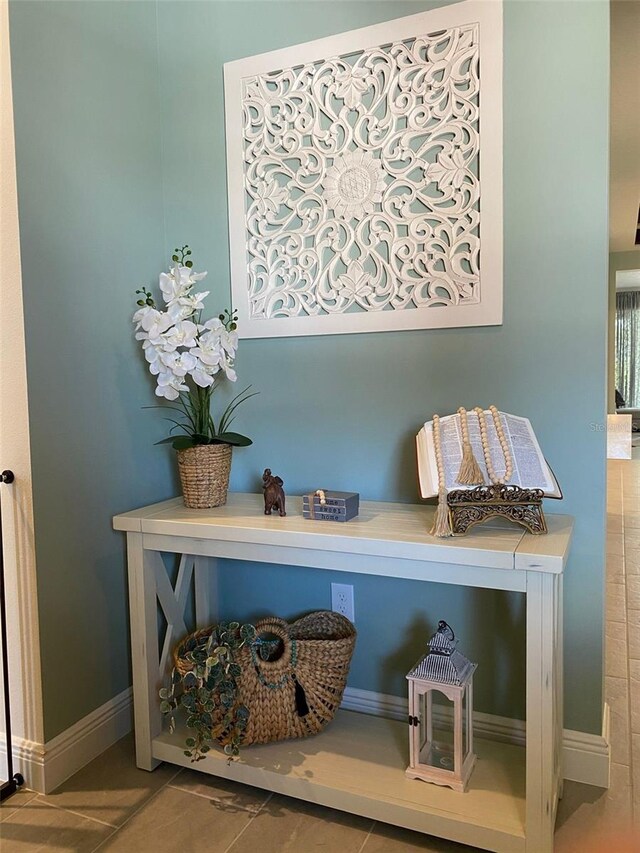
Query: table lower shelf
[358, 765]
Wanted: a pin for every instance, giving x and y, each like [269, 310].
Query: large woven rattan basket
[204, 474]
[298, 694]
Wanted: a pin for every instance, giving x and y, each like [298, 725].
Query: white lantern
[440, 743]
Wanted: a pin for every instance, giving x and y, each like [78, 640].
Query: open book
[530, 470]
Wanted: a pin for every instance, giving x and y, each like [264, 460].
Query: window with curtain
[628, 347]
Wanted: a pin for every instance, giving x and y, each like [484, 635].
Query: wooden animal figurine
[273, 493]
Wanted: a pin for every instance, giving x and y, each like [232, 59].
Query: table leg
[560, 678]
[542, 710]
[206, 590]
[144, 650]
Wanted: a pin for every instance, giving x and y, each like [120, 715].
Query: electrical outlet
[342, 600]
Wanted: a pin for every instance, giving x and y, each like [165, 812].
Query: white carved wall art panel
[365, 189]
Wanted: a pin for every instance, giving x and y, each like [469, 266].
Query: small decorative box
[337, 506]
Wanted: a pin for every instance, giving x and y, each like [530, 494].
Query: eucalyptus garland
[207, 689]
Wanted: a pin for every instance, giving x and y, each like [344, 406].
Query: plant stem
[201, 404]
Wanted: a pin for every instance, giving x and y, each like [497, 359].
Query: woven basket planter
[298, 693]
[204, 474]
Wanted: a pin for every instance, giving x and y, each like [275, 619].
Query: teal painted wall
[89, 174]
[352, 424]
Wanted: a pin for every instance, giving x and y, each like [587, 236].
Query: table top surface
[382, 529]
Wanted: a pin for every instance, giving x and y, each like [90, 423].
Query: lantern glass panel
[436, 736]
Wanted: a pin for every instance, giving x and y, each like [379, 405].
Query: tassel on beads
[442, 526]
[470, 473]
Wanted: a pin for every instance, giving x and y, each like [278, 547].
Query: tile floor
[112, 806]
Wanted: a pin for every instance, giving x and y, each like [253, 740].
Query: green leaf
[216, 676]
[165, 707]
[190, 741]
[163, 693]
[171, 438]
[238, 400]
[181, 442]
[199, 438]
[247, 632]
[188, 264]
[233, 438]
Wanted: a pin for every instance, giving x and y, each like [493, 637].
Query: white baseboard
[45, 766]
[585, 756]
[28, 759]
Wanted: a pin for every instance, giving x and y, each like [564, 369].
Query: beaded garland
[470, 473]
[442, 523]
[495, 414]
[464, 424]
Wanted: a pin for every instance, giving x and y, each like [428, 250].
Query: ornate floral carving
[354, 184]
[361, 182]
[468, 507]
[355, 284]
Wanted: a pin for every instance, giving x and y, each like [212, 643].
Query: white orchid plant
[188, 357]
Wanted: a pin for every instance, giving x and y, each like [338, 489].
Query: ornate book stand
[468, 507]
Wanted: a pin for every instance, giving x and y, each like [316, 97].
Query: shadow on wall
[494, 654]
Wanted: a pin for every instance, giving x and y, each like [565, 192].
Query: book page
[427, 472]
[451, 446]
[530, 469]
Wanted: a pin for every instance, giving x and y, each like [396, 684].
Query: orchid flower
[170, 386]
[178, 282]
[187, 356]
[209, 350]
[187, 306]
[183, 334]
[202, 375]
[154, 322]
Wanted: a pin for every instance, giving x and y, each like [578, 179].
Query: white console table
[358, 764]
